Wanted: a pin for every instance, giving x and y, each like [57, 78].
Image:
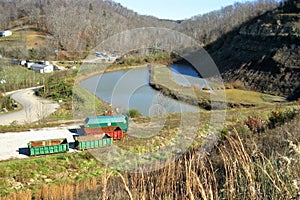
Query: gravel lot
[14, 145]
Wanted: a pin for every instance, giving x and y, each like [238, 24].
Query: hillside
[72, 28]
[76, 28]
[264, 52]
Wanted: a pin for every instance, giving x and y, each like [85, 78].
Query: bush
[7, 102]
[238, 85]
[224, 133]
[279, 117]
[255, 124]
[134, 113]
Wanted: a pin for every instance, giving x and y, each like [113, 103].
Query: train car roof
[106, 119]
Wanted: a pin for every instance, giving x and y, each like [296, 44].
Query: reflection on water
[187, 76]
[130, 90]
[185, 69]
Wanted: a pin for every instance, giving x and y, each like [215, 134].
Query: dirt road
[34, 108]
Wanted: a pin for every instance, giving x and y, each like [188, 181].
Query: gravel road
[14, 145]
[34, 108]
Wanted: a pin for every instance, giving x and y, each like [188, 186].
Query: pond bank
[161, 80]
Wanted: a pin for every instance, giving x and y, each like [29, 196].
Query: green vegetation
[134, 113]
[7, 103]
[17, 77]
[15, 127]
[61, 169]
[59, 86]
[87, 104]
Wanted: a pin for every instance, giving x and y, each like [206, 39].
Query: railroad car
[92, 141]
[113, 125]
[43, 147]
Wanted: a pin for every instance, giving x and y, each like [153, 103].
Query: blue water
[187, 75]
[184, 69]
[130, 90]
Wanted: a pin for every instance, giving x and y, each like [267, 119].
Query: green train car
[120, 121]
[92, 141]
[44, 147]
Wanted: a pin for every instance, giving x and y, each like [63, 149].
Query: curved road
[34, 108]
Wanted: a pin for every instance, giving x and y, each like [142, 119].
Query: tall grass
[240, 167]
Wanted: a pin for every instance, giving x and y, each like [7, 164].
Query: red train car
[114, 132]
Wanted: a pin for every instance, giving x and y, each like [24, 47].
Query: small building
[5, 33]
[42, 68]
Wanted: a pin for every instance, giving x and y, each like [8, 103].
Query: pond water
[129, 89]
[186, 75]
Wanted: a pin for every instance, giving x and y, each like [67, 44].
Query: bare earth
[34, 108]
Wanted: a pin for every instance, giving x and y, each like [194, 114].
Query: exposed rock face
[264, 53]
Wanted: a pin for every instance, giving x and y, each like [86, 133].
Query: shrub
[133, 113]
[7, 102]
[279, 117]
[238, 85]
[224, 133]
[58, 86]
[235, 85]
[255, 124]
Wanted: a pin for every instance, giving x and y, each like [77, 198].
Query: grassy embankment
[245, 164]
[161, 79]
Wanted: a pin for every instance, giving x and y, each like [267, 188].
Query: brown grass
[239, 168]
[23, 195]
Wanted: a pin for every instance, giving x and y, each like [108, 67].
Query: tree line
[77, 26]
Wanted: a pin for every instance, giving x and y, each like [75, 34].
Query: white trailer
[5, 33]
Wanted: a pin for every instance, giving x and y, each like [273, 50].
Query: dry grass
[239, 168]
[26, 35]
[250, 97]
